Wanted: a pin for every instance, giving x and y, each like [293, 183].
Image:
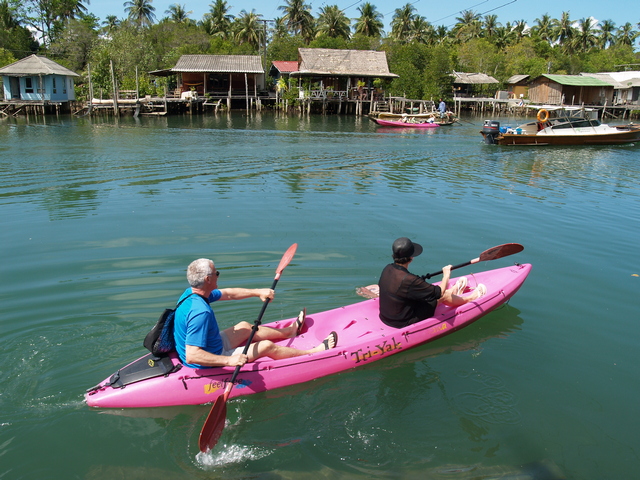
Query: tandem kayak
[362, 338]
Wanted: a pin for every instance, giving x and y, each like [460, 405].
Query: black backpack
[159, 340]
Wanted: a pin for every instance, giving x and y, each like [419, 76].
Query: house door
[14, 86]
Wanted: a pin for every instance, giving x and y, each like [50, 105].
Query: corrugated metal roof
[577, 80]
[35, 65]
[353, 63]
[473, 78]
[516, 79]
[284, 66]
[605, 77]
[219, 64]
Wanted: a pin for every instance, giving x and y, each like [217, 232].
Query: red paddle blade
[286, 259]
[214, 425]
[501, 251]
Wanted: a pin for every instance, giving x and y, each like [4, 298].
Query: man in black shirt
[406, 298]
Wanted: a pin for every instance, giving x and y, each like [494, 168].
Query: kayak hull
[362, 339]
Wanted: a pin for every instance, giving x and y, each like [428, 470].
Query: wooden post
[116, 112]
[246, 89]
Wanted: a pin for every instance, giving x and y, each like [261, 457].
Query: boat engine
[490, 129]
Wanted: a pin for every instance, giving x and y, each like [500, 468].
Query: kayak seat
[146, 367]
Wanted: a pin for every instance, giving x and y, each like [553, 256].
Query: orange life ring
[540, 116]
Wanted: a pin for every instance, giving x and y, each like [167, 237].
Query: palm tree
[544, 28]
[520, 29]
[401, 22]
[585, 37]
[7, 19]
[111, 22]
[333, 23]
[249, 29]
[607, 37]
[468, 26]
[140, 11]
[370, 21]
[490, 24]
[421, 31]
[178, 14]
[217, 20]
[68, 9]
[279, 29]
[298, 16]
[626, 35]
[563, 30]
[504, 36]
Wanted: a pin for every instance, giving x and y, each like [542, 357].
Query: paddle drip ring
[543, 115]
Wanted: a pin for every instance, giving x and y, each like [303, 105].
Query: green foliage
[324, 41]
[6, 58]
[284, 48]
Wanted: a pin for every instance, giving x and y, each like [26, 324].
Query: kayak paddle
[214, 424]
[493, 253]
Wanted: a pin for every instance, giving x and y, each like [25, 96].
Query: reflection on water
[100, 217]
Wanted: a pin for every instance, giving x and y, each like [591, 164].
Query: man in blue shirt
[201, 343]
[442, 108]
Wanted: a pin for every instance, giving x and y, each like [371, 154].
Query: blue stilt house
[37, 79]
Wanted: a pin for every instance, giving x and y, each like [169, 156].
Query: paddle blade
[214, 425]
[501, 251]
[286, 259]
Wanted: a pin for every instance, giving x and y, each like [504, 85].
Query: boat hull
[362, 339]
[408, 124]
[613, 138]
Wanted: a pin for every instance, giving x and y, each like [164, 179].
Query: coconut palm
[333, 23]
[520, 29]
[422, 31]
[279, 28]
[68, 9]
[490, 24]
[504, 36]
[401, 22]
[469, 25]
[369, 22]
[249, 28]
[298, 16]
[177, 13]
[563, 30]
[544, 28]
[140, 11]
[111, 22]
[585, 37]
[607, 34]
[217, 21]
[626, 35]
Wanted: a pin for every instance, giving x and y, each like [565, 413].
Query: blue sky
[436, 12]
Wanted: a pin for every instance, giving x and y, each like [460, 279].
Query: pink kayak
[362, 339]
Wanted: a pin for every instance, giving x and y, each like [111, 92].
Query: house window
[64, 86]
[28, 85]
[55, 89]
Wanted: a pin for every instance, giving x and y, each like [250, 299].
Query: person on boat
[201, 343]
[442, 108]
[406, 298]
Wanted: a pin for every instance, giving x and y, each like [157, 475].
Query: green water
[100, 217]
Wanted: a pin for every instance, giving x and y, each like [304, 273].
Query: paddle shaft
[214, 424]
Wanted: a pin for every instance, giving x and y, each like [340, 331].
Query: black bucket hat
[405, 248]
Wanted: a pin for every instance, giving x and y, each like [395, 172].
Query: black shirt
[405, 298]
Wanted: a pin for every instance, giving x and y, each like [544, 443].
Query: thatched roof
[346, 63]
[35, 65]
[472, 78]
[214, 64]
